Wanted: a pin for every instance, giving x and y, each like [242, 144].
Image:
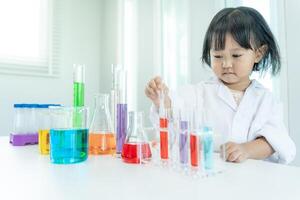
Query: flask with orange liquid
[102, 139]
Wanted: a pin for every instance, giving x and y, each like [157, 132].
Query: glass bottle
[102, 138]
[136, 148]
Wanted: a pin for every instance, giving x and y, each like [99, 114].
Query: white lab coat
[258, 114]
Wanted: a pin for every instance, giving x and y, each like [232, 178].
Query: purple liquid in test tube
[183, 142]
[121, 126]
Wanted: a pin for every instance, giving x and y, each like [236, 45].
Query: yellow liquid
[44, 142]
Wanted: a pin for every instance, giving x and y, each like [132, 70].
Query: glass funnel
[136, 148]
[102, 139]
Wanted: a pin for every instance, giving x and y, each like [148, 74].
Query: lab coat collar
[225, 94]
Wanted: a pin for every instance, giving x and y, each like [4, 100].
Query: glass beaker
[68, 137]
[102, 139]
[136, 148]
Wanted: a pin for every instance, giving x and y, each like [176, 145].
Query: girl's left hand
[236, 152]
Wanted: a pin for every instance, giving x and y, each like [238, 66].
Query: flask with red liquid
[136, 149]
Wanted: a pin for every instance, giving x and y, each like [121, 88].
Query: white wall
[80, 44]
[201, 13]
[109, 42]
[293, 70]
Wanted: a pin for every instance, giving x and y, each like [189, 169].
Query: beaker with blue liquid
[68, 137]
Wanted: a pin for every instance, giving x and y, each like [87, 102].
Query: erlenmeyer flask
[136, 148]
[102, 139]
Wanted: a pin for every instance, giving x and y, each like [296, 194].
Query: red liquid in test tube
[163, 123]
[195, 147]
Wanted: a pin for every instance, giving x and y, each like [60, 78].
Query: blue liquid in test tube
[208, 148]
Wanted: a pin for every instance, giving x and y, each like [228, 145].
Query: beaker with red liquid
[136, 149]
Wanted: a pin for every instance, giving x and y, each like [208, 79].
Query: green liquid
[78, 94]
[78, 101]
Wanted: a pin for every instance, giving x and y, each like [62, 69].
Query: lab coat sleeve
[269, 124]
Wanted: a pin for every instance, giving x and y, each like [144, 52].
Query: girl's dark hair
[249, 29]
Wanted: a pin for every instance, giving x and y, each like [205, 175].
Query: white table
[25, 174]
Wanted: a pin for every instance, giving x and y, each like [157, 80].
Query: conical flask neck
[101, 100]
[135, 120]
[135, 129]
[101, 120]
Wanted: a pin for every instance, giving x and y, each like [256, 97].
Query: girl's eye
[236, 55]
[217, 56]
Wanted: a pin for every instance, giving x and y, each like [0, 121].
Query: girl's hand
[236, 152]
[153, 88]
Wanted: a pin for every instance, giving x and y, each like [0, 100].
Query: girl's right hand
[153, 88]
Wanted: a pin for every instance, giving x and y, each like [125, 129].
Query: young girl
[237, 42]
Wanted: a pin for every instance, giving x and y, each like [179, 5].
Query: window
[128, 42]
[172, 41]
[29, 37]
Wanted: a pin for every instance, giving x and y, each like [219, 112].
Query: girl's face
[234, 64]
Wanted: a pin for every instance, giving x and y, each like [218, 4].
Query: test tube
[196, 157]
[164, 114]
[112, 102]
[78, 85]
[208, 148]
[207, 141]
[78, 91]
[121, 109]
[183, 138]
